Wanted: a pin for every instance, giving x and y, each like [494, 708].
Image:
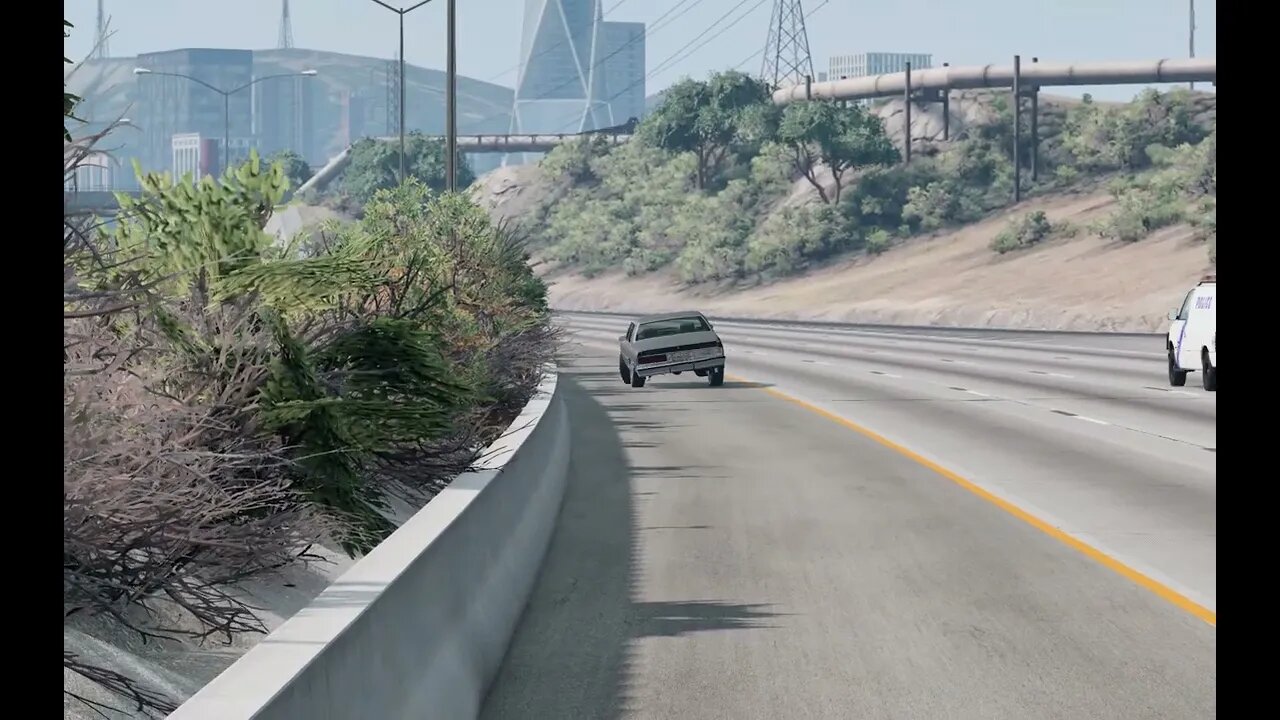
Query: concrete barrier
[418, 627]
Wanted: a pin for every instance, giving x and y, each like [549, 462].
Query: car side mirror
[1173, 314]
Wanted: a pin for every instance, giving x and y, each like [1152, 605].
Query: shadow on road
[572, 655]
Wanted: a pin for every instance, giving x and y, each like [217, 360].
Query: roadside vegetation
[375, 165]
[707, 188]
[231, 401]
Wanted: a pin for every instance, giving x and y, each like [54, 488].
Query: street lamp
[226, 99]
[402, 12]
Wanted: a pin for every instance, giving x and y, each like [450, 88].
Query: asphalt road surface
[878, 524]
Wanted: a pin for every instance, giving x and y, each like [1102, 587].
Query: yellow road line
[1165, 592]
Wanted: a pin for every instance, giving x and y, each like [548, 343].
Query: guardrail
[417, 628]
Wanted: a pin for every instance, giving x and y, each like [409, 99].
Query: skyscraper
[561, 87]
[875, 63]
[283, 109]
[622, 45]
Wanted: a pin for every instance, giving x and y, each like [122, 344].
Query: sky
[962, 32]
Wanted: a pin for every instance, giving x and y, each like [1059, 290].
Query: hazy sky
[961, 32]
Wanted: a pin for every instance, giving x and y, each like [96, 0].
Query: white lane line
[885, 374]
[979, 394]
[1092, 420]
[1050, 374]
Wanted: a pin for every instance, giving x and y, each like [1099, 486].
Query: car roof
[669, 316]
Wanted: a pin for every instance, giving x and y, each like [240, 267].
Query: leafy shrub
[1182, 187]
[1022, 233]
[375, 165]
[229, 401]
[790, 240]
[878, 241]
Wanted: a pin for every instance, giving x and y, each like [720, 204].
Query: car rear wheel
[1208, 374]
[623, 372]
[1177, 378]
[637, 380]
[715, 376]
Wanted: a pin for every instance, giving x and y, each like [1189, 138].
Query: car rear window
[674, 326]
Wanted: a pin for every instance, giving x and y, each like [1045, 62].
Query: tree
[711, 119]
[823, 133]
[375, 165]
[69, 100]
[295, 168]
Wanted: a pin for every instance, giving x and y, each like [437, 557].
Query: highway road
[878, 524]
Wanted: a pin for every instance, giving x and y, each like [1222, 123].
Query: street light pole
[451, 99]
[226, 131]
[402, 12]
[226, 99]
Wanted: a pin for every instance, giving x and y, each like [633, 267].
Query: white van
[1193, 336]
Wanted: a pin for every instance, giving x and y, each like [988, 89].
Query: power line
[668, 62]
[750, 57]
[739, 65]
[760, 52]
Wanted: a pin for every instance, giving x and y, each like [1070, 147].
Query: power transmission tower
[286, 27]
[393, 96]
[102, 50]
[786, 52]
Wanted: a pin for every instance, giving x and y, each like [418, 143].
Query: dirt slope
[952, 278]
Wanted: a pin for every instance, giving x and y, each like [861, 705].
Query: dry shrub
[227, 405]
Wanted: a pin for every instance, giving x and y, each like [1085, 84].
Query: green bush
[1182, 187]
[375, 165]
[230, 401]
[1023, 233]
[878, 241]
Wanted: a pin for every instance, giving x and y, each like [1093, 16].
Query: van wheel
[623, 372]
[1177, 378]
[637, 380]
[1208, 374]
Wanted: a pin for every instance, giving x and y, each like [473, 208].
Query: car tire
[637, 380]
[715, 376]
[1177, 377]
[623, 372]
[1208, 374]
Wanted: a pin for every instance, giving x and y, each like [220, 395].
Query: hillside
[1120, 220]
[948, 278]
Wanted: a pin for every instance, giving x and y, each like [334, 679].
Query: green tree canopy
[711, 119]
[375, 165]
[823, 133]
[295, 167]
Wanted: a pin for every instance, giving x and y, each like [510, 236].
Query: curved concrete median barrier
[418, 628]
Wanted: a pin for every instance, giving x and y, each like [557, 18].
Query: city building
[559, 88]
[283, 109]
[94, 172]
[168, 105]
[875, 63]
[194, 155]
[622, 62]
